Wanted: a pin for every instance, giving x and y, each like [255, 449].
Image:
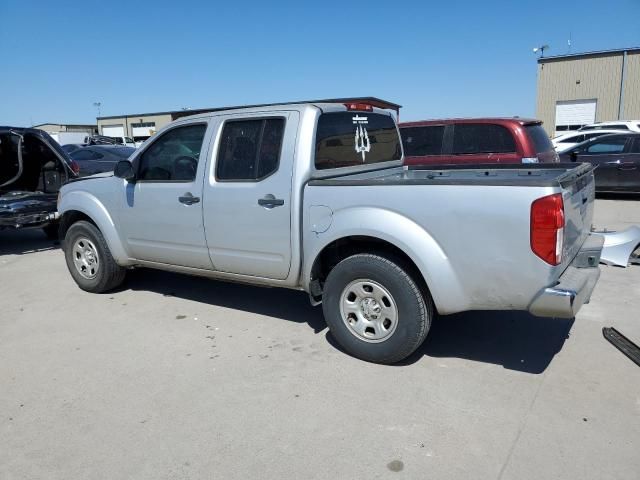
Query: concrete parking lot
[178, 377]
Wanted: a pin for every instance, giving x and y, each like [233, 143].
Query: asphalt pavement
[177, 377]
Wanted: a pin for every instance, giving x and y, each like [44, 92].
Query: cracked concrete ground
[177, 377]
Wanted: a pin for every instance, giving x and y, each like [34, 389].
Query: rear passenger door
[247, 197]
[608, 156]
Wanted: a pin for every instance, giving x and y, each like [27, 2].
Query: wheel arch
[416, 249]
[77, 206]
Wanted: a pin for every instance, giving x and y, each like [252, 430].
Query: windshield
[348, 139]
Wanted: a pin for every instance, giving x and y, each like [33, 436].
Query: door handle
[188, 199]
[615, 162]
[270, 201]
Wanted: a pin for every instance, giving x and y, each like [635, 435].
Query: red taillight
[547, 228]
[75, 167]
[363, 107]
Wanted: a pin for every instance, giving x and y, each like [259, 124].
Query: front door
[247, 199]
[161, 212]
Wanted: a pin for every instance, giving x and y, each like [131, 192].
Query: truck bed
[532, 175]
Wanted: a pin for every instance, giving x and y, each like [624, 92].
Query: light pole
[541, 49]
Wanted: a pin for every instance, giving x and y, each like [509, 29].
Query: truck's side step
[622, 343]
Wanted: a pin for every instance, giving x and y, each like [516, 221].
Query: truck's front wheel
[89, 259]
[375, 310]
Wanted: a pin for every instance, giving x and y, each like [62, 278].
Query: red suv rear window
[539, 137]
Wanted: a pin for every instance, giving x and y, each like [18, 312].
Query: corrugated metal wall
[581, 78]
[631, 101]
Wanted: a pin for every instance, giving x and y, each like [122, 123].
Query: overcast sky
[437, 59]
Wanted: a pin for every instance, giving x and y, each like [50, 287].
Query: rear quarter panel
[471, 243]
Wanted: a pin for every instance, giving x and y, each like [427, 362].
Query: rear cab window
[354, 138]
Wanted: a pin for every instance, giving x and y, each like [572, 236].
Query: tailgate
[578, 194]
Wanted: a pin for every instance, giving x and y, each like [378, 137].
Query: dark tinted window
[174, 155]
[419, 141]
[347, 139]
[635, 146]
[469, 138]
[250, 149]
[539, 137]
[608, 145]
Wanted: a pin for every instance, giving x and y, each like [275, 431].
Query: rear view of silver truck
[313, 196]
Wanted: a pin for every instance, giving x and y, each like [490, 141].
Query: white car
[571, 139]
[626, 125]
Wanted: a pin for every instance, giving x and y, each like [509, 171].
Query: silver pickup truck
[313, 196]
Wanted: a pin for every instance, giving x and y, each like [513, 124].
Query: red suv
[476, 140]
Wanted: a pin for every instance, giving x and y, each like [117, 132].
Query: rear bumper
[574, 286]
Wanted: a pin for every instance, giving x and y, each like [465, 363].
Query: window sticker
[362, 144]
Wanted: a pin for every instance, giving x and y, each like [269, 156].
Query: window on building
[470, 138]
[420, 141]
[250, 149]
[174, 155]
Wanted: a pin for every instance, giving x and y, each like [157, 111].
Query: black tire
[414, 308]
[109, 274]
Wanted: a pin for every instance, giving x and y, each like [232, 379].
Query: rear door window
[470, 138]
[539, 138]
[421, 141]
[250, 149]
[348, 139]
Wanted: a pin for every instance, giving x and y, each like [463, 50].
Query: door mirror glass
[124, 170]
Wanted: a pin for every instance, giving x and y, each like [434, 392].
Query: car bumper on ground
[574, 286]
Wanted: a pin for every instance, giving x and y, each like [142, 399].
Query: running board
[622, 343]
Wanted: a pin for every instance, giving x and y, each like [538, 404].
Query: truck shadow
[516, 340]
[20, 242]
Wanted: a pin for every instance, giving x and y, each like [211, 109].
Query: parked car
[568, 140]
[99, 158]
[616, 158]
[632, 125]
[476, 140]
[33, 167]
[314, 197]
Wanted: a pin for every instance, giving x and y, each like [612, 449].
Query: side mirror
[124, 170]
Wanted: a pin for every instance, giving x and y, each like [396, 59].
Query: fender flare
[90, 206]
[418, 244]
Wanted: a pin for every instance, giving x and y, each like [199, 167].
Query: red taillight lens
[547, 228]
[363, 107]
[75, 167]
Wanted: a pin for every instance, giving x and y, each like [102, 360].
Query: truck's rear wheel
[89, 259]
[375, 310]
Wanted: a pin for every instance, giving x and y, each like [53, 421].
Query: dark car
[616, 158]
[33, 167]
[99, 158]
[476, 140]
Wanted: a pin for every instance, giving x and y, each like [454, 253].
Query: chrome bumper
[574, 286]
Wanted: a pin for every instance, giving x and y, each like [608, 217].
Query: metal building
[582, 88]
[67, 127]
